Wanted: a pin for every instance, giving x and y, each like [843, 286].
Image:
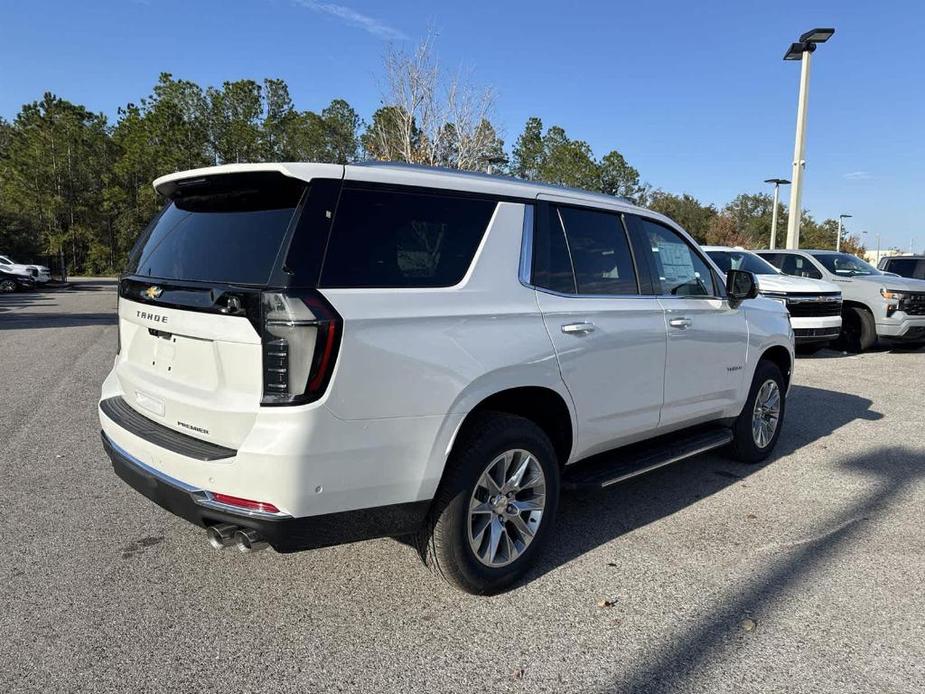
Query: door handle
[582, 328]
[680, 323]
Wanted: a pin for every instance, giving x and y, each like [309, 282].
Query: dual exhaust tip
[226, 534]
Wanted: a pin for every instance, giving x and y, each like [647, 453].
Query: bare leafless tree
[429, 119]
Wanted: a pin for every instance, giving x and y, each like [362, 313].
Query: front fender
[768, 326]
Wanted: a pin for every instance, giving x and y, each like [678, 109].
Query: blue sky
[695, 95]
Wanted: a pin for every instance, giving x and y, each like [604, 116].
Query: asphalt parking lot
[805, 574]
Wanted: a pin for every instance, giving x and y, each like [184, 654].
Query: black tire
[744, 447]
[7, 286]
[858, 332]
[444, 540]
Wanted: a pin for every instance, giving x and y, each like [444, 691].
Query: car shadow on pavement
[28, 321]
[36, 308]
[812, 414]
[9, 302]
[892, 470]
[94, 285]
[896, 347]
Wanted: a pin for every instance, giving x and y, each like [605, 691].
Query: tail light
[245, 504]
[301, 337]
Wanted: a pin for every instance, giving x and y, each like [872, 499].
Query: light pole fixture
[777, 184]
[802, 50]
[838, 237]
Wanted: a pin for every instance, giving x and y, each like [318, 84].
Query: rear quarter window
[403, 239]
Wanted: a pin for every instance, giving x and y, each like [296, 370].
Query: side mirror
[740, 285]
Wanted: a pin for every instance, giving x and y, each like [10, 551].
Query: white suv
[814, 305]
[313, 354]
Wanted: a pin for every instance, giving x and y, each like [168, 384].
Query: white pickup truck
[877, 305]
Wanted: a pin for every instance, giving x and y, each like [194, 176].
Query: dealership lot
[803, 573]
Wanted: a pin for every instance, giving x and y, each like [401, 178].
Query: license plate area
[190, 361]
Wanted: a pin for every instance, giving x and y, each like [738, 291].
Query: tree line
[74, 185]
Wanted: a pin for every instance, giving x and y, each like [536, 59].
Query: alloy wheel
[506, 508]
[766, 414]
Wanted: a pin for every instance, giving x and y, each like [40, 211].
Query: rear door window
[552, 264]
[397, 238]
[583, 251]
[599, 251]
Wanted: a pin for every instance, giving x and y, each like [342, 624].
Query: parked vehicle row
[877, 305]
[313, 354]
[815, 306]
[39, 273]
[13, 281]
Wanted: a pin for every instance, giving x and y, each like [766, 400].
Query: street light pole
[838, 238]
[802, 51]
[799, 163]
[777, 183]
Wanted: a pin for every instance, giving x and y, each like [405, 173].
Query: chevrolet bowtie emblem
[153, 292]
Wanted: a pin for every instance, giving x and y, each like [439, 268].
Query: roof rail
[375, 163]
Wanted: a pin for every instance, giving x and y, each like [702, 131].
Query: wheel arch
[781, 357]
[849, 303]
[545, 407]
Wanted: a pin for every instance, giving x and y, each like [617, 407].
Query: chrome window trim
[568, 247]
[525, 271]
[200, 496]
[525, 268]
[552, 292]
[692, 296]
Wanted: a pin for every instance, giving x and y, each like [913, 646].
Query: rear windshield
[227, 231]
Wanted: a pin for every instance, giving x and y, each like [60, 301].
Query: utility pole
[777, 184]
[802, 51]
[799, 163]
[838, 237]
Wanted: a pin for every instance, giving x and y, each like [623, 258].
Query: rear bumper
[284, 533]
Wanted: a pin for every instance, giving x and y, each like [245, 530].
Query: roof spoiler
[171, 184]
